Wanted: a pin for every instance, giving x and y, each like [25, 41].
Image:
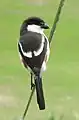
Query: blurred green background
[61, 80]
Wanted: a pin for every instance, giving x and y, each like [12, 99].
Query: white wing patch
[26, 54]
[38, 52]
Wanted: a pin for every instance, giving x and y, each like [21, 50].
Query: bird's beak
[45, 26]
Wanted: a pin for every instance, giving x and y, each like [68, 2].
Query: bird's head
[33, 24]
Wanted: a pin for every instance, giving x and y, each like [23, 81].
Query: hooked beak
[45, 26]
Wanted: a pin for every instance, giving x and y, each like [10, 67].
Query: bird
[33, 44]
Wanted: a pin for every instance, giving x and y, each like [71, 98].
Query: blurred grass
[61, 80]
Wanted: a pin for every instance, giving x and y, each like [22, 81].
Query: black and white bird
[33, 44]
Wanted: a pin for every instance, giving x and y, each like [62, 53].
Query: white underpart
[43, 68]
[48, 48]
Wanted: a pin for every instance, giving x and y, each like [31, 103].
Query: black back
[31, 41]
[35, 61]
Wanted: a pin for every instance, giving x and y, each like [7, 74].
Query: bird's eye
[42, 23]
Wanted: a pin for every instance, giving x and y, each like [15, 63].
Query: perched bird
[33, 44]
